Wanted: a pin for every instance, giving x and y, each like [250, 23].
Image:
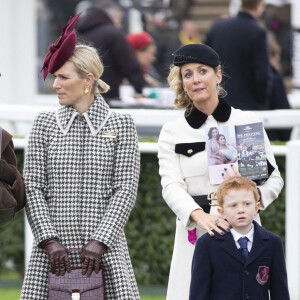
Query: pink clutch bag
[75, 286]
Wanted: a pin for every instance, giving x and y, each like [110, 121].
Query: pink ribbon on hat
[192, 236]
[54, 47]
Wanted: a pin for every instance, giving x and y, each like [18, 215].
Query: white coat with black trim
[183, 176]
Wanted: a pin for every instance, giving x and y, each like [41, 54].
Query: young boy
[225, 268]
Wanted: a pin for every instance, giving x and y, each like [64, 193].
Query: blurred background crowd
[169, 24]
[138, 38]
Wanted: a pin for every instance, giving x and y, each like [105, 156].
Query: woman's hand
[210, 222]
[90, 257]
[58, 256]
[233, 171]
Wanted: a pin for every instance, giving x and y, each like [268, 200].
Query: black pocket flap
[189, 149]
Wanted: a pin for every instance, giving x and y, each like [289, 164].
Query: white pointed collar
[96, 116]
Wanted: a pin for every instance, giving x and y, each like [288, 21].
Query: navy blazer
[242, 46]
[219, 272]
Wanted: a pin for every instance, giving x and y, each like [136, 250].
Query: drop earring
[86, 91]
[217, 85]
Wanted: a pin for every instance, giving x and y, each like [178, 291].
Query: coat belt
[206, 201]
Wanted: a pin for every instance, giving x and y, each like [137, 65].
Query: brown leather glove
[58, 256]
[90, 257]
[7, 173]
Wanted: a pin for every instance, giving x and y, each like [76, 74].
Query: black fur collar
[197, 118]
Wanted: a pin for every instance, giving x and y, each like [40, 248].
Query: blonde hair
[182, 100]
[86, 60]
[236, 183]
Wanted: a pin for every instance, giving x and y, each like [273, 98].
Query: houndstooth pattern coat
[81, 175]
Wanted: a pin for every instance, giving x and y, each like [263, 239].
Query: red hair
[236, 183]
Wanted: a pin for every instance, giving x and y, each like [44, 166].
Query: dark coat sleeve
[261, 68]
[201, 272]
[278, 277]
[278, 99]
[8, 154]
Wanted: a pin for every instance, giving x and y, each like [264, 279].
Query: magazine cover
[240, 145]
[252, 151]
[221, 151]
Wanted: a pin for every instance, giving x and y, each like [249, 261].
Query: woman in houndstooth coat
[81, 176]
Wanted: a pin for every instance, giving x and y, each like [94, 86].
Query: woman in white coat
[195, 76]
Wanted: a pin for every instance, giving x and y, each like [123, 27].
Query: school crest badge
[262, 275]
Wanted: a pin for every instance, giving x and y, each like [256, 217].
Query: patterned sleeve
[125, 184]
[35, 176]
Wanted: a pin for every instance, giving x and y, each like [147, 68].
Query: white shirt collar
[236, 235]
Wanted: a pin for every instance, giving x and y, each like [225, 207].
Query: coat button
[246, 272]
[190, 151]
[247, 296]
